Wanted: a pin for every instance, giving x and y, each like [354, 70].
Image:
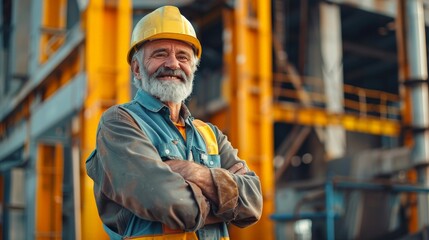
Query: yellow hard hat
[164, 23]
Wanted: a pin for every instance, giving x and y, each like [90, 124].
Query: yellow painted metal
[124, 23]
[49, 194]
[165, 22]
[320, 117]
[107, 26]
[358, 99]
[53, 27]
[247, 62]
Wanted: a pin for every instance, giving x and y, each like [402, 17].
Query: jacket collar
[153, 104]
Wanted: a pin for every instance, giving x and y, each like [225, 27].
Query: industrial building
[327, 100]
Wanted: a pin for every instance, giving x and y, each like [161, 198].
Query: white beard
[165, 90]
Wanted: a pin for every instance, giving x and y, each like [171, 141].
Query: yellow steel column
[49, 195]
[249, 70]
[107, 26]
[124, 21]
[266, 137]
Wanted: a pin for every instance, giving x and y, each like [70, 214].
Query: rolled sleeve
[227, 192]
[240, 196]
[203, 205]
[249, 206]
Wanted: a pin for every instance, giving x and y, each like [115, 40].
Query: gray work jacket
[131, 181]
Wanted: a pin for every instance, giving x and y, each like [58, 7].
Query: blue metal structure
[332, 187]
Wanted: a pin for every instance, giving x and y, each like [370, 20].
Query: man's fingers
[238, 168]
[235, 167]
[241, 171]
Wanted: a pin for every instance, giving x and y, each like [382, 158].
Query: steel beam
[332, 75]
[413, 69]
[387, 8]
[49, 192]
[107, 27]
[31, 154]
[70, 97]
[43, 72]
[14, 141]
[247, 62]
[320, 117]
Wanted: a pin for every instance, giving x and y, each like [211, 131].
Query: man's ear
[135, 68]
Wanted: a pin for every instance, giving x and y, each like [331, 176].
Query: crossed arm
[183, 195]
[201, 176]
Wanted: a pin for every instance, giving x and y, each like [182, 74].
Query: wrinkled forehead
[169, 45]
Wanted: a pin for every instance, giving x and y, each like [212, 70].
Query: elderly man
[158, 172]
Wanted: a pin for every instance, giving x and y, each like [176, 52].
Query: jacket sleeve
[128, 171]
[240, 196]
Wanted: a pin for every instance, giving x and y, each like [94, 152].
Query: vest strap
[208, 135]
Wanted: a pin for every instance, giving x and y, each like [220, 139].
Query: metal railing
[361, 101]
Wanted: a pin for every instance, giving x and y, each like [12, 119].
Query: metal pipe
[330, 213]
[373, 186]
[415, 79]
[76, 192]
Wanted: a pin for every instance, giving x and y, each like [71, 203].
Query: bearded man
[158, 172]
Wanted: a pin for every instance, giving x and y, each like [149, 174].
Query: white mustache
[163, 71]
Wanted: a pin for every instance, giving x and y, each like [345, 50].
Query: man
[157, 171]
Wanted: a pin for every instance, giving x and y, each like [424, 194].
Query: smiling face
[171, 54]
[166, 70]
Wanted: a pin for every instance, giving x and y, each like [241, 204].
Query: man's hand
[197, 174]
[238, 168]
[192, 171]
[189, 170]
[201, 176]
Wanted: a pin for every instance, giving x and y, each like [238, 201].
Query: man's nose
[172, 62]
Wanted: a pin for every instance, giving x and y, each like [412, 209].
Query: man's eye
[160, 55]
[183, 58]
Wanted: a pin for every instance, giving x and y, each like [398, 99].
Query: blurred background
[327, 100]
